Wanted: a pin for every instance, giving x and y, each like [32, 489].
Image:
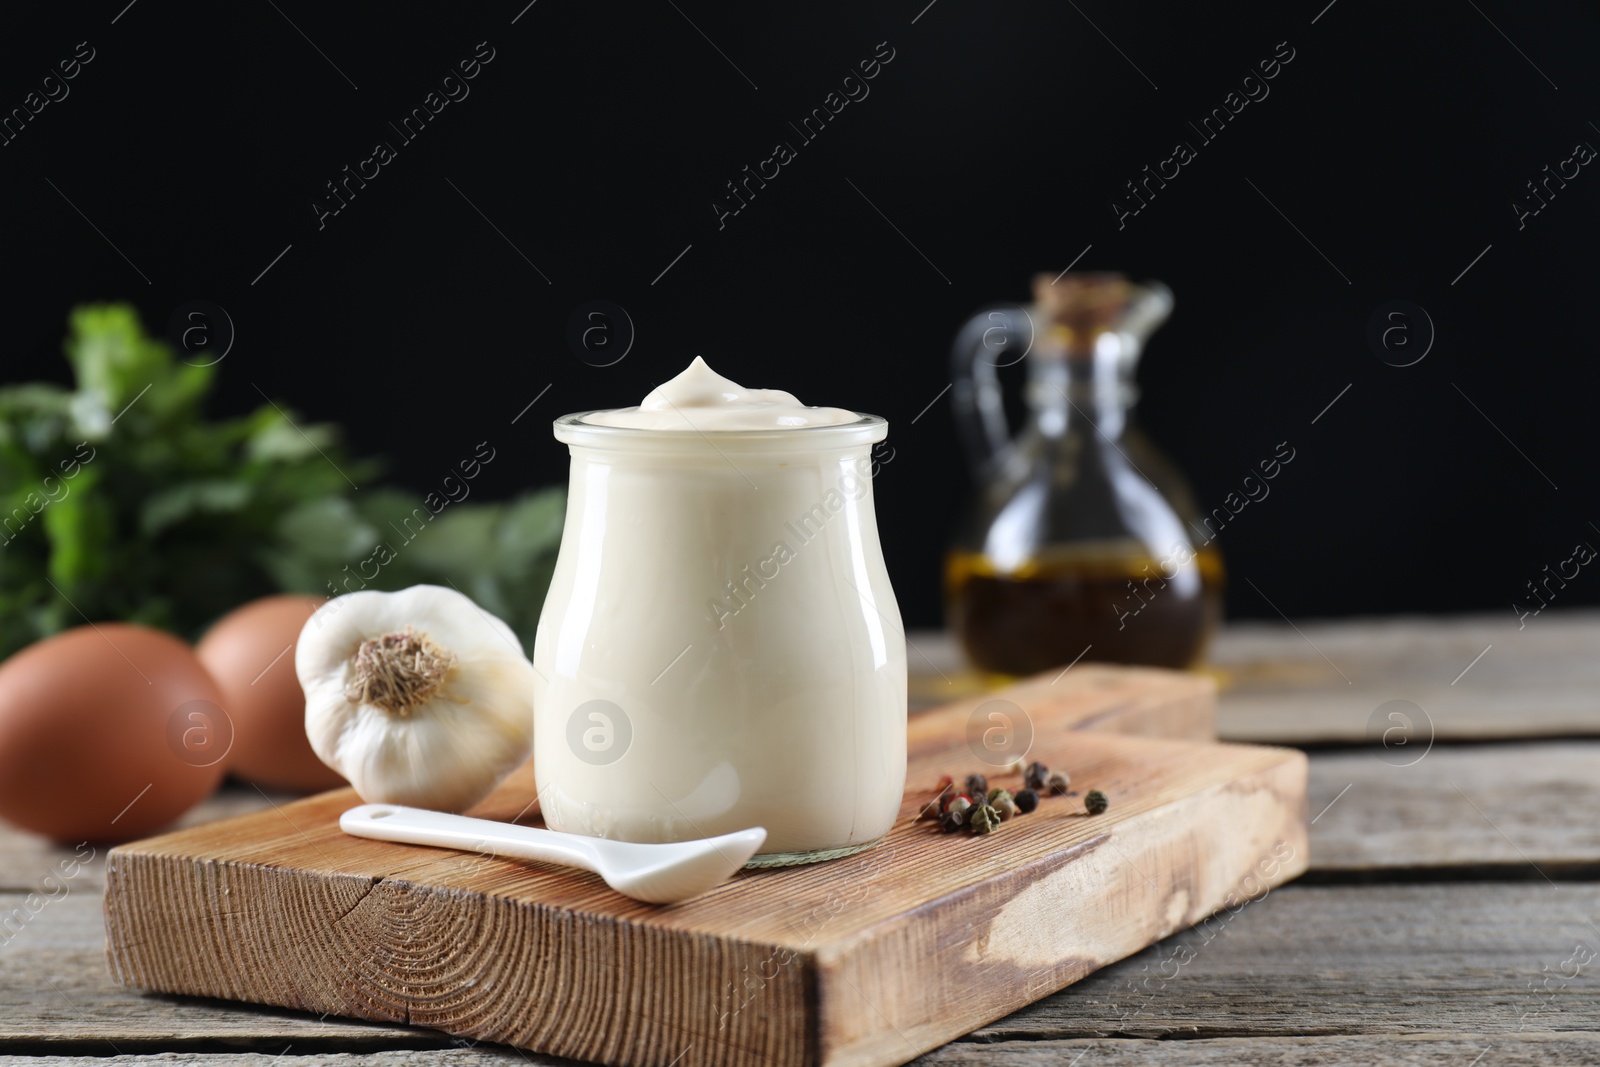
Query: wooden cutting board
[872, 959]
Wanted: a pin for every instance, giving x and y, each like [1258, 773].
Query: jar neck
[1063, 391]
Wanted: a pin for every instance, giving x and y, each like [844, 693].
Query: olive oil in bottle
[1090, 601]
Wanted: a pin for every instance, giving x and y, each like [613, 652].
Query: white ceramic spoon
[657, 874]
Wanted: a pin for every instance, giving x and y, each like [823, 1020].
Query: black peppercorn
[951, 821]
[1033, 777]
[1058, 782]
[1026, 800]
[977, 785]
[1095, 802]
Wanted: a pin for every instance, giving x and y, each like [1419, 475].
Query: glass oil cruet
[1081, 541]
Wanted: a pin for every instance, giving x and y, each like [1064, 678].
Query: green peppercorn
[1033, 777]
[1095, 802]
[1004, 804]
[1026, 800]
[977, 785]
[1058, 782]
[983, 819]
[951, 821]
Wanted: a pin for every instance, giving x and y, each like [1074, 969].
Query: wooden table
[1451, 915]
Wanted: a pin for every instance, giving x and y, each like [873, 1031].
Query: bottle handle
[992, 339]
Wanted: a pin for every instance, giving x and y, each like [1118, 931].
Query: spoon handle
[416, 826]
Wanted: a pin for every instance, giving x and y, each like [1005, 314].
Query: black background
[1396, 140]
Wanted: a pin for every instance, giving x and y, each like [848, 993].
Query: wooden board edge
[306, 951]
[302, 948]
[890, 995]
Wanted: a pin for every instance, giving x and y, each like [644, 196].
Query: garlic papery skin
[419, 697]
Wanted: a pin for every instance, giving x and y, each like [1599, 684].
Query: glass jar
[1079, 543]
[720, 647]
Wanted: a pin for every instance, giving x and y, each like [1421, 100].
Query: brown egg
[107, 733]
[250, 652]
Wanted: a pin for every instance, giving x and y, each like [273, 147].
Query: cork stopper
[1079, 308]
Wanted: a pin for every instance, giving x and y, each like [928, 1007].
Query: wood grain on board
[867, 960]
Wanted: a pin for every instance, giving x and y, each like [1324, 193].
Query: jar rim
[573, 430]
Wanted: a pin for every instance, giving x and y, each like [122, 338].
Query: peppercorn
[960, 804]
[945, 782]
[1058, 782]
[1095, 802]
[951, 821]
[977, 785]
[1026, 800]
[1033, 777]
[1004, 804]
[983, 819]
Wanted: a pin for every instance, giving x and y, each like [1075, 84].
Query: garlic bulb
[418, 697]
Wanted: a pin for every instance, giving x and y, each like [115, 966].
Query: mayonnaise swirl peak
[700, 399]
